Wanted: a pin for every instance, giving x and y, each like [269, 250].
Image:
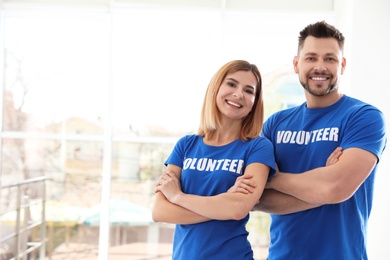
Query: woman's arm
[167, 212]
[223, 206]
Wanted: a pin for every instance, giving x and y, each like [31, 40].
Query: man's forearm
[275, 202]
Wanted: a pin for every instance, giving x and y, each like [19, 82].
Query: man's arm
[327, 185]
[276, 202]
[271, 201]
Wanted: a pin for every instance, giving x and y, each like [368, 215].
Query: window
[95, 98]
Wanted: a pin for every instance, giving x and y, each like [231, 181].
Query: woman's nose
[238, 94]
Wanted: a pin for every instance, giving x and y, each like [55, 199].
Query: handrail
[22, 225]
[24, 182]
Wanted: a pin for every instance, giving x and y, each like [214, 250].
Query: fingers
[166, 176]
[337, 152]
[277, 168]
[246, 176]
[242, 190]
[166, 180]
[334, 156]
[168, 172]
[243, 184]
[160, 184]
[246, 181]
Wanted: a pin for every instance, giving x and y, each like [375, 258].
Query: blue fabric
[211, 170]
[303, 139]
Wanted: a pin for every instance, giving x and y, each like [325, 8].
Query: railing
[16, 243]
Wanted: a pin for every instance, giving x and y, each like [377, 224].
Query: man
[321, 212]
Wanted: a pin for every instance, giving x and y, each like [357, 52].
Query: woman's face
[236, 94]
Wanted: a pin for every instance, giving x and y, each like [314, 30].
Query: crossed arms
[284, 193]
[288, 193]
[171, 205]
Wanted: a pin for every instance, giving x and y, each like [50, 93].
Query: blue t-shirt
[208, 171]
[303, 138]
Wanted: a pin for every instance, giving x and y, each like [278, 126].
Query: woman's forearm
[167, 212]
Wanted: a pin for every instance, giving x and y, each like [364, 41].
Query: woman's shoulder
[260, 140]
[189, 139]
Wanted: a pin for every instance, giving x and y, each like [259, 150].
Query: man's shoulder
[358, 103]
[287, 112]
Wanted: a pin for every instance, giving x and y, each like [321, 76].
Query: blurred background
[95, 93]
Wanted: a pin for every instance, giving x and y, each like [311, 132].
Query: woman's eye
[231, 84]
[249, 91]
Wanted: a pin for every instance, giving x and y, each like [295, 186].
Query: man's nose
[320, 67]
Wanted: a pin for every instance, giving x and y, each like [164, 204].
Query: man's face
[319, 65]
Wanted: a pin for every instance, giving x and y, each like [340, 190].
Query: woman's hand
[169, 185]
[243, 184]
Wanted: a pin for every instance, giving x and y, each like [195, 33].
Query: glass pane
[56, 78]
[162, 69]
[73, 189]
[56, 70]
[21, 217]
[135, 167]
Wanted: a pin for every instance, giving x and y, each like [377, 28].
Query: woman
[192, 192]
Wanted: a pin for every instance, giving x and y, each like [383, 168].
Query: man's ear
[295, 63]
[343, 64]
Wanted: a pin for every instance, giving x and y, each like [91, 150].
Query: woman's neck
[223, 135]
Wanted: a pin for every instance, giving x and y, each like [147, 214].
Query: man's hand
[334, 156]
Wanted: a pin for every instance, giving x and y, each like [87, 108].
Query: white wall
[370, 70]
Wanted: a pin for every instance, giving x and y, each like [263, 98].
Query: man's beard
[328, 90]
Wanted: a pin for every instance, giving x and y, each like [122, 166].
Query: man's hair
[210, 115]
[320, 30]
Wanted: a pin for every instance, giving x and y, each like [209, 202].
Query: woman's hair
[211, 116]
[320, 30]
